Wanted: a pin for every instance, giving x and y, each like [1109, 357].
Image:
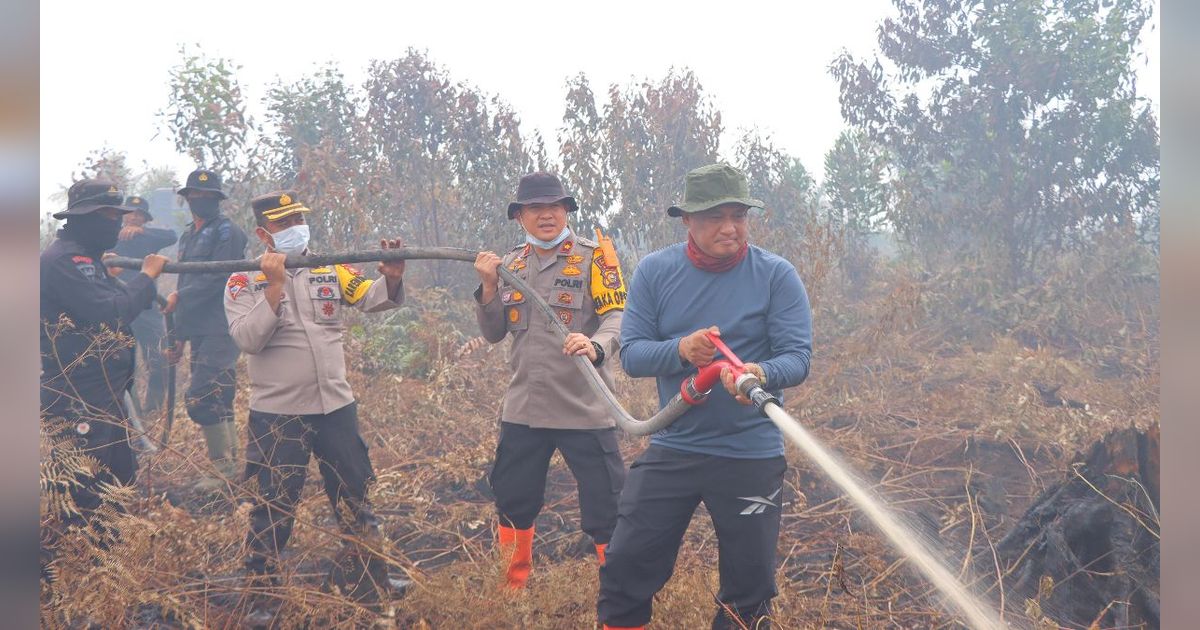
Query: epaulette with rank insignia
[354, 285]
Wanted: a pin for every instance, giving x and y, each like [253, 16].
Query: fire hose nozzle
[750, 387]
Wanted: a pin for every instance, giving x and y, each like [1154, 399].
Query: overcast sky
[105, 65]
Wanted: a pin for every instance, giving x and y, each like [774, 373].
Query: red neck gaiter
[712, 264]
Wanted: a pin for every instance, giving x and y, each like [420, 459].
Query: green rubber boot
[220, 451]
[233, 466]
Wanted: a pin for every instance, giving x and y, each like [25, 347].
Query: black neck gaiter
[206, 208]
[94, 231]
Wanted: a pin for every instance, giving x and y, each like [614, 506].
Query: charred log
[1087, 551]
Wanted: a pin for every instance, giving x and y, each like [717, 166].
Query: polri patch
[568, 283]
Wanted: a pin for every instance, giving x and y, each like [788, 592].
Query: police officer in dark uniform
[200, 321]
[137, 240]
[87, 353]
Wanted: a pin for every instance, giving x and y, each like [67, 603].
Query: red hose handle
[733, 359]
[696, 388]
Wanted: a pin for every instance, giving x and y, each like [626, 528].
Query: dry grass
[957, 435]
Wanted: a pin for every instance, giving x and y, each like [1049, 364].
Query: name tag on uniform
[563, 282]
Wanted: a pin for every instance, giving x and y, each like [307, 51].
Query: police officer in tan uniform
[548, 405]
[289, 322]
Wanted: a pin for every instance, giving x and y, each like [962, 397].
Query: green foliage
[858, 192]
[793, 224]
[317, 146]
[446, 157]
[581, 144]
[1015, 128]
[628, 162]
[415, 340]
[856, 183]
[312, 110]
[206, 115]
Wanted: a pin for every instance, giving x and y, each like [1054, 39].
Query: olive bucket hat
[710, 186]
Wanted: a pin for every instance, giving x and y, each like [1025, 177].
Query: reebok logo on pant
[758, 505]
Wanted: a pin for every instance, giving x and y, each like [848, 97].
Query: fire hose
[693, 391]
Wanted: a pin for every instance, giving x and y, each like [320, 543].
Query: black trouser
[213, 362]
[103, 436]
[278, 453]
[665, 485]
[148, 330]
[523, 455]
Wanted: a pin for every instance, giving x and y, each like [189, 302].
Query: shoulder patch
[608, 283]
[225, 229]
[237, 283]
[87, 269]
[514, 260]
[354, 285]
[586, 242]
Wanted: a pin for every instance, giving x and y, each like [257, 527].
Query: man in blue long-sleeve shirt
[722, 452]
[138, 240]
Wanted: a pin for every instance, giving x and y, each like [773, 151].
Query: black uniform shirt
[83, 359]
[201, 308]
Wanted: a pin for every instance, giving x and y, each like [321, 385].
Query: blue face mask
[537, 242]
[293, 240]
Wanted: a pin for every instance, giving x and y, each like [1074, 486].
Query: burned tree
[1087, 551]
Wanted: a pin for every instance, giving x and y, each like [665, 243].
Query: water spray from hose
[977, 614]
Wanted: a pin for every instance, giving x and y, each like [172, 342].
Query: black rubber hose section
[665, 416]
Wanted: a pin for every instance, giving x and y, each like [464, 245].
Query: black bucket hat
[714, 185]
[140, 206]
[203, 179]
[540, 187]
[89, 195]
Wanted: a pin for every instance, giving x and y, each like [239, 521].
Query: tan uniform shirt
[588, 294]
[295, 356]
